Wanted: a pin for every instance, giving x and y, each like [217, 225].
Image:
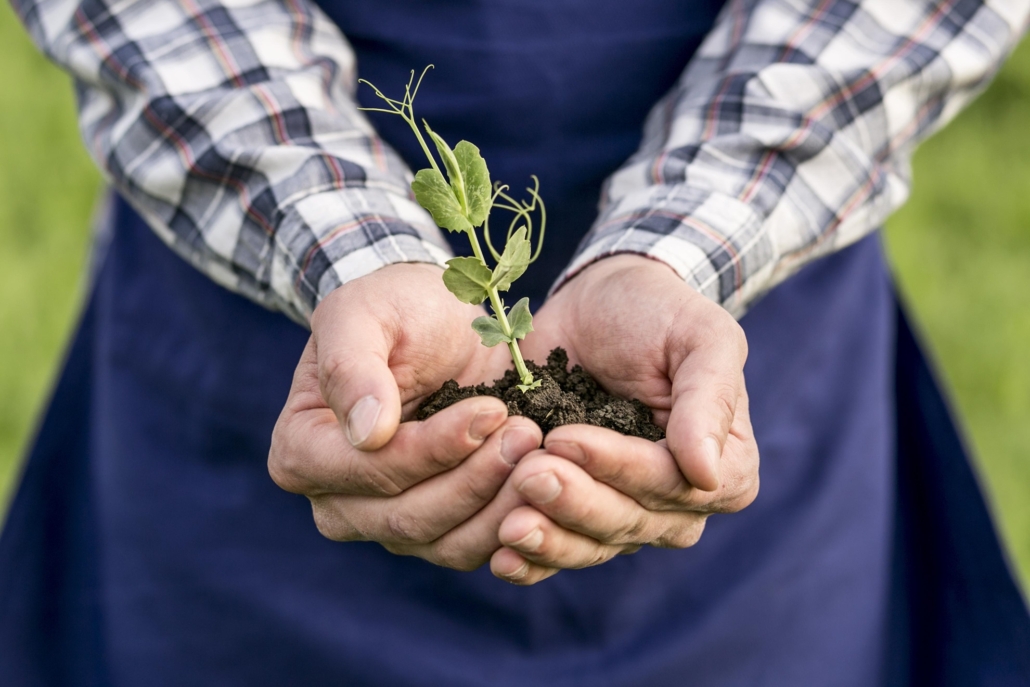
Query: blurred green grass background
[961, 249]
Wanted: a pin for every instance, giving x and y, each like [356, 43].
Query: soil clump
[564, 397]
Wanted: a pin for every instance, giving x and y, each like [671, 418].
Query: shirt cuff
[716, 243]
[328, 240]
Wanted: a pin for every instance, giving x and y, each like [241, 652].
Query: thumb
[705, 391]
[353, 349]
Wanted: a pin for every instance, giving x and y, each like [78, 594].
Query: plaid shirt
[232, 127]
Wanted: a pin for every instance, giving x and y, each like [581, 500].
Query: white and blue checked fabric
[231, 126]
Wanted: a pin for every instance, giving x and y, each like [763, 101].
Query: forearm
[233, 130]
[789, 136]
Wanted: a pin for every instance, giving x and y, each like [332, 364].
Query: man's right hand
[379, 345]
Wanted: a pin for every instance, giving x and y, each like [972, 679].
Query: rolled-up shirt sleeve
[790, 134]
[231, 126]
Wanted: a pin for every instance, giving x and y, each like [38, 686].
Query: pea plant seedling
[463, 205]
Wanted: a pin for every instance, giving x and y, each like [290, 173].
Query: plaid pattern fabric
[231, 126]
[789, 135]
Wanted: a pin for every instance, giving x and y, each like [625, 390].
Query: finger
[313, 458]
[648, 473]
[304, 391]
[512, 567]
[643, 470]
[353, 349]
[426, 511]
[705, 390]
[563, 492]
[471, 543]
[740, 463]
[540, 540]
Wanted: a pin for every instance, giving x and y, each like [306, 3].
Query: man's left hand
[592, 494]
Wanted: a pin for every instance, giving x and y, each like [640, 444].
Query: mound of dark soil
[564, 397]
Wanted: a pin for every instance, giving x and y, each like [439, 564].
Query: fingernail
[542, 488]
[517, 442]
[362, 420]
[518, 573]
[486, 422]
[712, 454]
[531, 542]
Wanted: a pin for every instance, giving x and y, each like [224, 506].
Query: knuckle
[325, 527]
[474, 491]
[405, 528]
[442, 457]
[634, 532]
[684, 536]
[279, 474]
[668, 497]
[751, 493]
[449, 556]
[746, 495]
[599, 555]
[374, 481]
[330, 522]
[739, 491]
[283, 467]
[659, 502]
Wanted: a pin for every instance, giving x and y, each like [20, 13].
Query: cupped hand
[643, 333]
[378, 345]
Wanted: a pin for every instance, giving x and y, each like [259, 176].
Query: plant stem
[407, 113]
[422, 142]
[495, 302]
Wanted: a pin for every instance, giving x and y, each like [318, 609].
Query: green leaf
[450, 163]
[520, 319]
[476, 176]
[514, 260]
[489, 330]
[528, 387]
[468, 279]
[433, 193]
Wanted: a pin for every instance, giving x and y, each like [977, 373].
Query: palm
[616, 331]
[427, 332]
[643, 333]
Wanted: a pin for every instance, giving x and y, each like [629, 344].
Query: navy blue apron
[148, 546]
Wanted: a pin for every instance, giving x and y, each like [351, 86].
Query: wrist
[616, 266]
[419, 279]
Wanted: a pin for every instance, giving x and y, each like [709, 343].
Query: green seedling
[462, 203]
